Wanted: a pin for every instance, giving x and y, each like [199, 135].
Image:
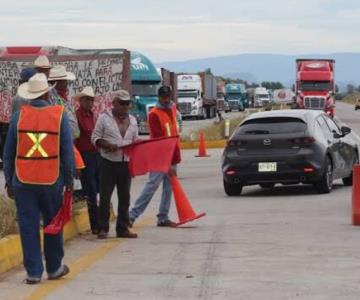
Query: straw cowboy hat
[121, 95]
[35, 87]
[59, 72]
[42, 62]
[87, 91]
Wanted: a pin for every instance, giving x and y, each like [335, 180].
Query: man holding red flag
[162, 123]
[39, 163]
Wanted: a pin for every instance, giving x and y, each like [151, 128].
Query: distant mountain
[269, 67]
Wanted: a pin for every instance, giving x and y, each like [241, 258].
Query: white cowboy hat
[59, 72]
[121, 95]
[87, 91]
[42, 62]
[35, 87]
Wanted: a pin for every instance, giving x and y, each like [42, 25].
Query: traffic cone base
[202, 147]
[190, 219]
[184, 209]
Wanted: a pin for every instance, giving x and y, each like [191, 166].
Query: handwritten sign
[107, 74]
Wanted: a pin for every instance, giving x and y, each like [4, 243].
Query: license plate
[268, 167]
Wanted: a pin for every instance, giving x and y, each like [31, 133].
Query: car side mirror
[345, 130]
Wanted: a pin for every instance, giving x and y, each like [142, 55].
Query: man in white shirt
[114, 129]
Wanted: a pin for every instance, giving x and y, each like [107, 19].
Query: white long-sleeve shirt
[107, 129]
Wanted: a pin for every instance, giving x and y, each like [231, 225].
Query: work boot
[64, 270]
[127, 234]
[166, 223]
[102, 235]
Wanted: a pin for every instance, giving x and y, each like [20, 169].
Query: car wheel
[267, 185]
[232, 189]
[325, 185]
[348, 181]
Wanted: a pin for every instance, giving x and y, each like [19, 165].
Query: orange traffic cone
[356, 196]
[185, 211]
[202, 147]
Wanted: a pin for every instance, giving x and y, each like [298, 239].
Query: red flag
[62, 217]
[154, 155]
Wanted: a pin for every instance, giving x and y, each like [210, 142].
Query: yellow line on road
[81, 264]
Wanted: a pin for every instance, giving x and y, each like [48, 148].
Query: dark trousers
[114, 174]
[90, 187]
[31, 202]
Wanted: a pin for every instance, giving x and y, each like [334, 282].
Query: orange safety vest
[79, 162]
[169, 125]
[38, 145]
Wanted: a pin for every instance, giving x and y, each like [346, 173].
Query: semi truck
[283, 96]
[236, 96]
[197, 95]
[145, 82]
[315, 84]
[261, 97]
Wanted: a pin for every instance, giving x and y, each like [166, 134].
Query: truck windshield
[145, 89]
[187, 94]
[262, 96]
[315, 86]
[233, 96]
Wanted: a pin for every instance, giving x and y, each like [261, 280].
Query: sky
[169, 30]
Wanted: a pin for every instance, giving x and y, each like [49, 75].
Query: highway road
[286, 243]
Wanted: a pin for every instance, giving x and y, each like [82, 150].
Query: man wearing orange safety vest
[162, 123]
[39, 165]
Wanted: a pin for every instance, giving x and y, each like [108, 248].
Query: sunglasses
[124, 103]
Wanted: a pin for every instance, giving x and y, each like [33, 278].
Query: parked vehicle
[145, 82]
[236, 96]
[289, 147]
[197, 95]
[315, 84]
[261, 97]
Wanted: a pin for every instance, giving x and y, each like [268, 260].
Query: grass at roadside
[213, 132]
[350, 99]
[8, 224]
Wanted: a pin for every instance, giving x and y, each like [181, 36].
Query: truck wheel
[203, 114]
[232, 189]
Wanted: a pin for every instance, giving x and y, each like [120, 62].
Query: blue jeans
[31, 202]
[90, 187]
[155, 179]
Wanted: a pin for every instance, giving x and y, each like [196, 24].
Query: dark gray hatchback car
[289, 147]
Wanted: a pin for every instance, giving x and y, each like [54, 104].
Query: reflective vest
[79, 162]
[169, 125]
[38, 145]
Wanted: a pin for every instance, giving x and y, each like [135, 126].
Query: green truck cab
[145, 82]
[236, 96]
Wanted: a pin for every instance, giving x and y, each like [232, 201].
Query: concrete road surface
[285, 243]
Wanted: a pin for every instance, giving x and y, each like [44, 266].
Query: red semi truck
[315, 84]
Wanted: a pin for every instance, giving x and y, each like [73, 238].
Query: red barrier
[356, 196]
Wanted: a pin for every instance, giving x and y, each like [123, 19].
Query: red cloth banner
[154, 155]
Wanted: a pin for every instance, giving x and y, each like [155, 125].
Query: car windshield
[275, 125]
[315, 86]
[145, 89]
[189, 94]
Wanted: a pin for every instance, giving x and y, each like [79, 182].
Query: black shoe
[102, 235]
[166, 223]
[127, 234]
[95, 231]
[32, 281]
[65, 270]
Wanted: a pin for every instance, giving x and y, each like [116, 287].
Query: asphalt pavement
[285, 243]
